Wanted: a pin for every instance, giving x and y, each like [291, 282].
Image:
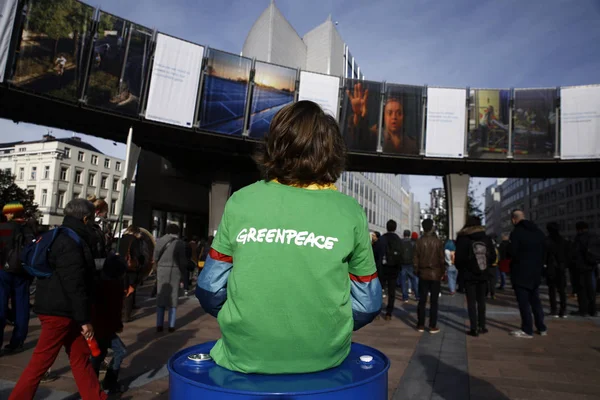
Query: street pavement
[450, 365]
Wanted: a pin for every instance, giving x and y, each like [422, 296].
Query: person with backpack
[475, 254]
[14, 280]
[526, 251]
[557, 258]
[407, 271]
[428, 260]
[587, 258]
[390, 248]
[63, 303]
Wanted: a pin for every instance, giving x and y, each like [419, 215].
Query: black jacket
[503, 250]
[462, 258]
[526, 251]
[68, 292]
[581, 258]
[557, 255]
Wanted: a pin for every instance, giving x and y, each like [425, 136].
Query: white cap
[366, 359]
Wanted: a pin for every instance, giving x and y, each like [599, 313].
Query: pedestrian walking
[558, 254]
[390, 248]
[63, 305]
[587, 258]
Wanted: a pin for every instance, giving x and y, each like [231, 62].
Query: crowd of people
[91, 292]
[473, 263]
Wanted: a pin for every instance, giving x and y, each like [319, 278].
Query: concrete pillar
[217, 197]
[457, 187]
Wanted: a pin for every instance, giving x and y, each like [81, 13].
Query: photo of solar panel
[224, 94]
[274, 88]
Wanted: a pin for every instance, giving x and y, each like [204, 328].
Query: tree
[440, 218]
[10, 192]
[473, 205]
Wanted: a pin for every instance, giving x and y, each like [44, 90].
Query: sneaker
[13, 348]
[521, 335]
[388, 317]
[159, 329]
[171, 330]
[420, 328]
[543, 333]
[554, 315]
[483, 331]
[384, 295]
[473, 332]
[405, 300]
[563, 316]
[433, 331]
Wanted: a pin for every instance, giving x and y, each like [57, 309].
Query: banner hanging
[322, 89]
[580, 122]
[8, 9]
[445, 122]
[174, 81]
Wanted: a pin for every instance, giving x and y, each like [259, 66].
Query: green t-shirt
[288, 307]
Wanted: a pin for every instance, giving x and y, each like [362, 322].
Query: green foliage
[58, 18]
[10, 192]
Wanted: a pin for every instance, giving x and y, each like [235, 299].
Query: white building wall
[273, 39]
[318, 45]
[337, 53]
[54, 191]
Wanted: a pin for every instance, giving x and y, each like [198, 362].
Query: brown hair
[304, 146]
[101, 206]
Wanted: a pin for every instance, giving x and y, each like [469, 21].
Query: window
[589, 203]
[81, 156]
[21, 173]
[76, 195]
[106, 163]
[104, 182]
[92, 179]
[8, 171]
[118, 165]
[44, 197]
[94, 159]
[569, 190]
[63, 173]
[33, 173]
[47, 172]
[578, 205]
[78, 176]
[116, 185]
[61, 199]
[67, 152]
[578, 188]
[589, 184]
[113, 207]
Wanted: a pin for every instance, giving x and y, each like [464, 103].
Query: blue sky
[458, 43]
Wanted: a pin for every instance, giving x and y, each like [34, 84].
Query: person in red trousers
[63, 305]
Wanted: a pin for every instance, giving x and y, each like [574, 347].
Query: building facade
[382, 197]
[59, 170]
[273, 39]
[560, 200]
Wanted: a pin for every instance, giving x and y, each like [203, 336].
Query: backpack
[393, 251]
[407, 252]
[35, 254]
[478, 256]
[12, 260]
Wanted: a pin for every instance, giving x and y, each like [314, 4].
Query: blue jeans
[452, 275]
[119, 353]
[502, 276]
[17, 287]
[408, 273]
[160, 316]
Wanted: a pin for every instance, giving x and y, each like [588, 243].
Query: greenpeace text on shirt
[286, 236]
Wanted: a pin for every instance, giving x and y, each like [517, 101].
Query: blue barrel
[194, 375]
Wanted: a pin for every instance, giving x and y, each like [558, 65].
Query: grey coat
[169, 269]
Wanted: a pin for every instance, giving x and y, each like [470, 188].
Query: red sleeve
[363, 279]
[215, 255]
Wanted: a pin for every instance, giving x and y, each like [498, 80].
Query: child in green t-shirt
[304, 275]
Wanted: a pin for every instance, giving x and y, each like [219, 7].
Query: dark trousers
[426, 287]
[476, 303]
[574, 275]
[529, 302]
[56, 333]
[492, 279]
[390, 278]
[557, 281]
[128, 304]
[586, 296]
[15, 287]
